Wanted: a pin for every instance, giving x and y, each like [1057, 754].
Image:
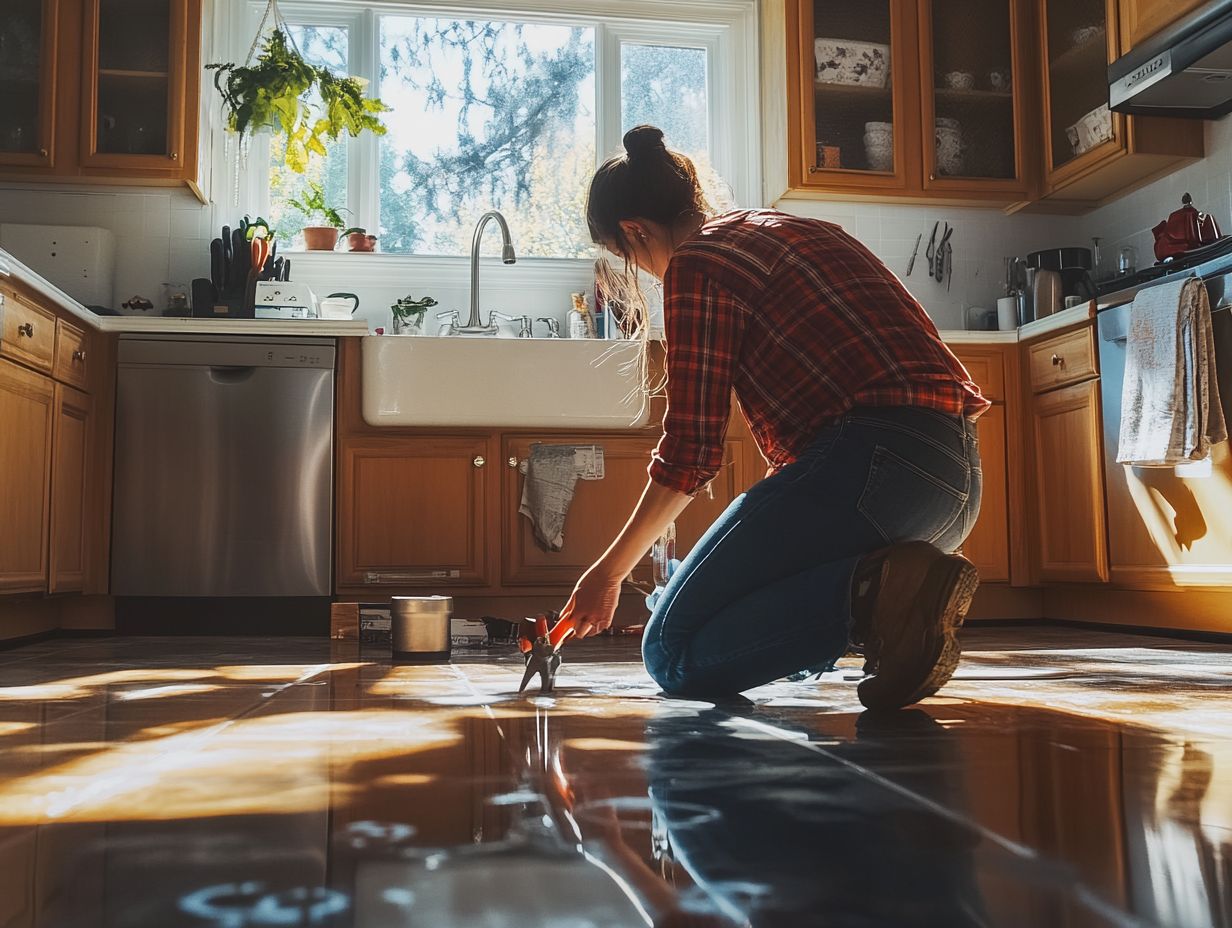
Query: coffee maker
[1057, 273]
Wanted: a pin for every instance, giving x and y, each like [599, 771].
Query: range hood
[1184, 70]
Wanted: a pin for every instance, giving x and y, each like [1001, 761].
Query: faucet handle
[552, 324]
[524, 323]
[451, 319]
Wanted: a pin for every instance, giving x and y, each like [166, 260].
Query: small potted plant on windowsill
[358, 239]
[409, 314]
[319, 237]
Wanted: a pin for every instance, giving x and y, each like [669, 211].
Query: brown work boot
[908, 603]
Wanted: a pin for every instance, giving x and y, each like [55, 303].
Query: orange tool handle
[541, 626]
[561, 631]
[524, 644]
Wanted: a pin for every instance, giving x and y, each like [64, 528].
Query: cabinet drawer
[71, 358]
[987, 370]
[27, 333]
[1063, 360]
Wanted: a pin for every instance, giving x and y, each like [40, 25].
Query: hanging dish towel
[1170, 408]
[547, 491]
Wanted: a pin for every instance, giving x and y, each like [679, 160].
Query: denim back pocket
[906, 503]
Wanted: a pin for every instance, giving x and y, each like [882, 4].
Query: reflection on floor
[1085, 779]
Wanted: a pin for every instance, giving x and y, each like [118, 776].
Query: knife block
[207, 304]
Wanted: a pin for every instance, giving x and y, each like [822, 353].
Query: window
[515, 115]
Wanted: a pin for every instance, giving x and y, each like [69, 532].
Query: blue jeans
[767, 590]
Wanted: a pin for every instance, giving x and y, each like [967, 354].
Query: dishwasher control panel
[234, 351]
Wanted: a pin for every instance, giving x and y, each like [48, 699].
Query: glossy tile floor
[1063, 779]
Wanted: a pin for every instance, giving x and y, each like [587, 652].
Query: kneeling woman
[867, 421]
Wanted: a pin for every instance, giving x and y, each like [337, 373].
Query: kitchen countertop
[1045, 326]
[11, 268]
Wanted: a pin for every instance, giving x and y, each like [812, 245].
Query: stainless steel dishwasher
[223, 467]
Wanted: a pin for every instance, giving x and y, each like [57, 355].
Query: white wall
[1128, 221]
[981, 240]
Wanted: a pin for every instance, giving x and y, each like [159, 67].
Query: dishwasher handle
[231, 375]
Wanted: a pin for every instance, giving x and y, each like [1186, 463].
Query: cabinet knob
[42, 152]
[512, 461]
[1057, 360]
[26, 329]
[175, 156]
[79, 356]
[479, 460]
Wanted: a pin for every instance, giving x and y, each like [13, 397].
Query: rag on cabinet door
[27, 409]
[414, 511]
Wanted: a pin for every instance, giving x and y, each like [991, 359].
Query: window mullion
[607, 91]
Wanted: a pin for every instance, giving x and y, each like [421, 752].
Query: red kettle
[1184, 230]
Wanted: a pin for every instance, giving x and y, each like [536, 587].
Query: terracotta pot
[320, 238]
[361, 241]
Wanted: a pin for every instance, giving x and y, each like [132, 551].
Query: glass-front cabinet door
[27, 82]
[1077, 46]
[855, 114]
[133, 100]
[972, 113]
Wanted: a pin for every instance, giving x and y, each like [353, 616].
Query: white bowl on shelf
[852, 62]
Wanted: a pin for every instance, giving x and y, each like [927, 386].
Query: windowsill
[382, 268]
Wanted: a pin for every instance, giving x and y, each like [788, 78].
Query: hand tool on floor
[543, 651]
[916, 251]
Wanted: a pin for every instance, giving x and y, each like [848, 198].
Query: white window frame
[726, 29]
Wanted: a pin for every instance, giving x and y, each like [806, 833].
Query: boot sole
[907, 674]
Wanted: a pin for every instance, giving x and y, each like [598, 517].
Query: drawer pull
[479, 460]
[1057, 360]
[26, 329]
[79, 356]
[512, 461]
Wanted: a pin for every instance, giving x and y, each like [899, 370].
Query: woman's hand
[592, 605]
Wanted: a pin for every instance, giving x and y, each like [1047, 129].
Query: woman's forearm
[658, 507]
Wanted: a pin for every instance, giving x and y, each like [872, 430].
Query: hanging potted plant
[322, 237]
[275, 92]
[358, 239]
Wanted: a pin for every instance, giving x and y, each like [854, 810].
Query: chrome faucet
[523, 323]
[474, 325]
[553, 326]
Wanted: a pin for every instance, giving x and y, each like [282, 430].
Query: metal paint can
[419, 628]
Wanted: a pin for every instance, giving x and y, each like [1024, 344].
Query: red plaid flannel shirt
[803, 323]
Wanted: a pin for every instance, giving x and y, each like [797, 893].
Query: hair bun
[643, 140]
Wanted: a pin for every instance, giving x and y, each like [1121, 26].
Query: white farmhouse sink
[547, 383]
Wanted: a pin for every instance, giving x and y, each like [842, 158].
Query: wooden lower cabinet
[27, 402]
[598, 510]
[987, 547]
[414, 511]
[736, 476]
[70, 465]
[1072, 536]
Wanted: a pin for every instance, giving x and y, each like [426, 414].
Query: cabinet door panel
[26, 405]
[857, 110]
[27, 84]
[987, 547]
[70, 464]
[1070, 485]
[598, 511]
[1141, 19]
[133, 90]
[972, 80]
[413, 511]
[708, 505]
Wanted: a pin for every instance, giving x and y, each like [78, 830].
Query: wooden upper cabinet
[907, 98]
[26, 422]
[133, 93]
[973, 118]
[1141, 19]
[28, 83]
[1090, 154]
[854, 110]
[111, 91]
[414, 511]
